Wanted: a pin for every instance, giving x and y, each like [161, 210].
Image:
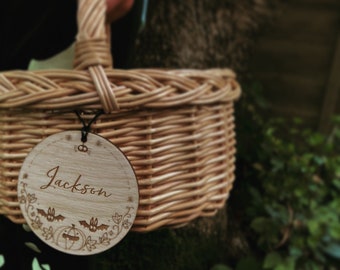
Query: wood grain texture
[80, 198]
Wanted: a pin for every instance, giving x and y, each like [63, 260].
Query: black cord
[87, 127]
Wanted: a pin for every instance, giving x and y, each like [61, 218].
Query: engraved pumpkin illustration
[69, 238]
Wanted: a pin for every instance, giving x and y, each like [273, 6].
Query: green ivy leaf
[33, 246]
[248, 263]
[2, 261]
[272, 260]
[221, 267]
[334, 231]
[312, 266]
[320, 160]
[277, 164]
[37, 266]
[295, 252]
[314, 227]
[313, 242]
[316, 139]
[286, 264]
[333, 250]
[259, 224]
[336, 182]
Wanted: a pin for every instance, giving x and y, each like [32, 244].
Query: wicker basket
[176, 127]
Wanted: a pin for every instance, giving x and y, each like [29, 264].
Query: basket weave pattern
[176, 127]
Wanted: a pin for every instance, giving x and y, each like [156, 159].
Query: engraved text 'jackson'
[74, 187]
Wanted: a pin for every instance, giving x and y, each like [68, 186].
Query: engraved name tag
[79, 198]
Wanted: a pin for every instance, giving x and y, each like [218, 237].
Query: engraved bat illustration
[50, 215]
[93, 225]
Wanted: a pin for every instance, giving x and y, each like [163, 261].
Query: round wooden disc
[79, 198]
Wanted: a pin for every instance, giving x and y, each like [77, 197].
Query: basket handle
[92, 49]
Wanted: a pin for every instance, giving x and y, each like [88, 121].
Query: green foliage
[2, 261]
[291, 180]
[35, 264]
[248, 262]
[221, 267]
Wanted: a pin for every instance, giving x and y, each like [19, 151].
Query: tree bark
[198, 34]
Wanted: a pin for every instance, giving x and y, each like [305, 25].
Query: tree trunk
[197, 34]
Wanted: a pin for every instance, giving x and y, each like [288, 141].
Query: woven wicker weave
[175, 126]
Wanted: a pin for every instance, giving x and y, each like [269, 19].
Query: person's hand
[117, 9]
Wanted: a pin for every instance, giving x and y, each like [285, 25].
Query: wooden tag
[79, 198]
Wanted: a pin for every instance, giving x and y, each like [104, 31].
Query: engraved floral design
[71, 237]
[122, 221]
[28, 199]
[48, 233]
[90, 244]
[104, 239]
[117, 218]
[36, 223]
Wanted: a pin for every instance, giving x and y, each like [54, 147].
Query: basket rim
[136, 88]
